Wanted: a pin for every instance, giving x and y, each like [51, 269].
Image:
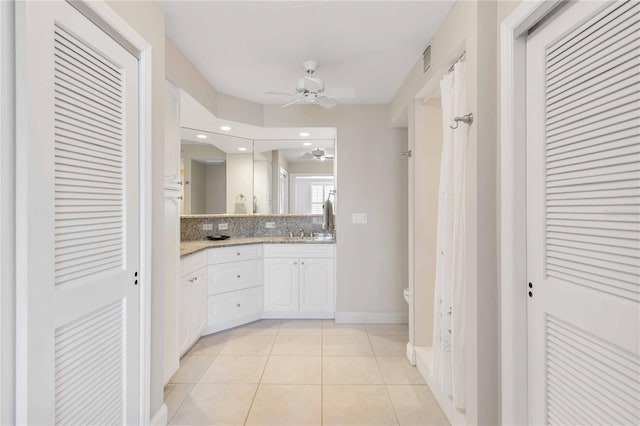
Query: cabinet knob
[238, 276]
[179, 197]
[295, 263]
[302, 263]
[238, 254]
[238, 305]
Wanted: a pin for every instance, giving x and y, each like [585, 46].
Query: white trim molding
[513, 298]
[372, 318]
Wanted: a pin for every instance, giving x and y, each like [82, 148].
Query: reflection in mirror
[292, 176]
[217, 171]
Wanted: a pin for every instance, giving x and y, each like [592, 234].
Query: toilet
[405, 293]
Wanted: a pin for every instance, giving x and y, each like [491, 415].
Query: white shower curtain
[449, 310]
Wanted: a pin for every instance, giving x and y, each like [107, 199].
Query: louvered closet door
[583, 215]
[78, 231]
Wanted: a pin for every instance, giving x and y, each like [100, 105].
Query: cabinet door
[199, 304]
[281, 285]
[183, 314]
[316, 285]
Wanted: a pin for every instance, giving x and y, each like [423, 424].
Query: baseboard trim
[411, 354]
[298, 315]
[372, 317]
[424, 362]
[160, 419]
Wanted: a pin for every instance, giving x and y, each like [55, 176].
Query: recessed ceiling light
[225, 128]
[201, 136]
[304, 134]
[306, 143]
[242, 149]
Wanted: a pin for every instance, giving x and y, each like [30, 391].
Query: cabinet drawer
[299, 250]
[236, 304]
[193, 262]
[234, 276]
[234, 253]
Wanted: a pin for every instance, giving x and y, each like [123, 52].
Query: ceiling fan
[311, 90]
[317, 154]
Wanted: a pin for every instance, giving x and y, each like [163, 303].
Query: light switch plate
[207, 226]
[359, 218]
[223, 226]
[270, 225]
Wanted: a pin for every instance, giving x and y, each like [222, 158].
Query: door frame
[513, 212]
[102, 15]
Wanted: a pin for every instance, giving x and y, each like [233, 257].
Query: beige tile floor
[298, 373]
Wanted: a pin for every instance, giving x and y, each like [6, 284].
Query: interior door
[78, 302]
[583, 215]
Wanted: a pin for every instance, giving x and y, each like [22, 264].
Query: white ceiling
[245, 48]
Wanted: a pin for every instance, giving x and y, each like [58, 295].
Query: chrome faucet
[301, 232]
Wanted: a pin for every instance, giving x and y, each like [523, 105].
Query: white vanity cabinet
[235, 282]
[191, 300]
[299, 280]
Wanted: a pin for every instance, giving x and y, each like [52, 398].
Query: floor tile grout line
[386, 388]
[246, 419]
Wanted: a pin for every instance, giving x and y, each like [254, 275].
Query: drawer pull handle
[302, 263]
[295, 263]
[238, 276]
[238, 254]
[238, 305]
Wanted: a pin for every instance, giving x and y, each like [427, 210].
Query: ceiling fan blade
[307, 156]
[293, 102]
[326, 102]
[343, 93]
[279, 93]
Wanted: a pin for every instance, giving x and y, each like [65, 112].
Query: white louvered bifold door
[583, 215]
[78, 307]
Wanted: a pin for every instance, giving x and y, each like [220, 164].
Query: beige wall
[216, 189]
[239, 181]
[320, 167]
[147, 18]
[198, 184]
[371, 178]
[425, 171]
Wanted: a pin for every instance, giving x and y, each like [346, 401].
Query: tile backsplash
[247, 225]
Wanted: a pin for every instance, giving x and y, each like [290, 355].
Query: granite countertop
[190, 247]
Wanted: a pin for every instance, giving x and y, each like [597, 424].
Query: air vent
[426, 59]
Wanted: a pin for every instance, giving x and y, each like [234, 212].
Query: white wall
[371, 178]
[216, 189]
[239, 181]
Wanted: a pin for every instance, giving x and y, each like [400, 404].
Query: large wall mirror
[237, 168]
[217, 171]
[292, 176]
